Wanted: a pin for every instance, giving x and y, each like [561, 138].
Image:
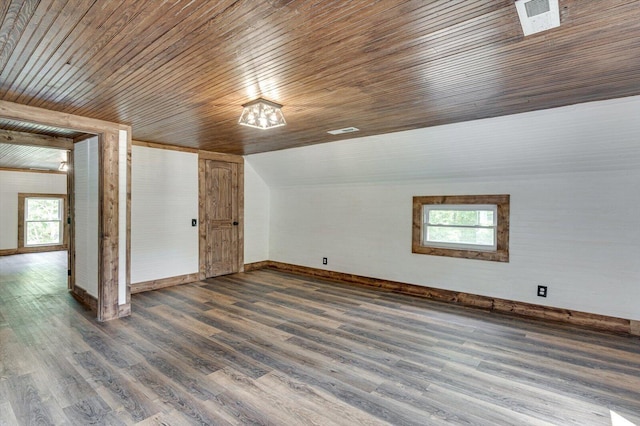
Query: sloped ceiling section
[31, 157]
[41, 129]
[586, 137]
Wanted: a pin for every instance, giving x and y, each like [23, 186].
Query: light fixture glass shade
[262, 114]
[63, 167]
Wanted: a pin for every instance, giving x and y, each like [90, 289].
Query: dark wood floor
[272, 348]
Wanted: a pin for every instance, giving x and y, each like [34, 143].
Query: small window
[41, 220]
[475, 227]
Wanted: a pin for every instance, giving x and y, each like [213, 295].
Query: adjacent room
[329, 213]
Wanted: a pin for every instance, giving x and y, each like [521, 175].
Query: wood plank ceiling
[179, 71]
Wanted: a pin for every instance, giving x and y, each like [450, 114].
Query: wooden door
[220, 217]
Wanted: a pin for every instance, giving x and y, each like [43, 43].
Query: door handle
[235, 223]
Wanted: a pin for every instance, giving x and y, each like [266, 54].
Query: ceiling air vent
[538, 15]
[345, 130]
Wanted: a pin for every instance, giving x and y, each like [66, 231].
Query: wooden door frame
[108, 133]
[206, 155]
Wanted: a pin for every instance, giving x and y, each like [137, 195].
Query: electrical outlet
[542, 290]
[324, 260]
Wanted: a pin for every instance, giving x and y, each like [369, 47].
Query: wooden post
[108, 224]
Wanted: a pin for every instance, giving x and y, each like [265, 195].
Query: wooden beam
[33, 139]
[217, 156]
[31, 114]
[164, 146]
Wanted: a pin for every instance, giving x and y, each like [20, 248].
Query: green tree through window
[43, 220]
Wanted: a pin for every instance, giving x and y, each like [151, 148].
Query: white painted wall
[573, 174]
[11, 183]
[577, 234]
[85, 163]
[256, 216]
[123, 143]
[164, 199]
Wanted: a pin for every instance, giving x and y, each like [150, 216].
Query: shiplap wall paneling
[13, 182]
[123, 219]
[573, 174]
[86, 215]
[164, 200]
[576, 234]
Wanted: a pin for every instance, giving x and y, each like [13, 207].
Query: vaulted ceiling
[179, 71]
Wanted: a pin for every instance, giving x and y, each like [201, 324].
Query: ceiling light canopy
[262, 114]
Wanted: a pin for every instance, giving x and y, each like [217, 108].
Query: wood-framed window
[467, 226]
[42, 222]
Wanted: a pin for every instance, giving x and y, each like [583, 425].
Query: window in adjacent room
[41, 220]
[468, 226]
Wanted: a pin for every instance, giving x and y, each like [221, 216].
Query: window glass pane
[43, 233]
[43, 209]
[476, 236]
[461, 217]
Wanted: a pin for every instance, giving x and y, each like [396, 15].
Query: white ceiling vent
[345, 130]
[538, 15]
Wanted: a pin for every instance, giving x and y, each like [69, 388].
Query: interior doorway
[221, 216]
[110, 296]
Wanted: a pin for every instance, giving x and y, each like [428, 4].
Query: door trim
[227, 158]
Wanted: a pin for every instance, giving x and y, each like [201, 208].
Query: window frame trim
[22, 247]
[499, 254]
[59, 220]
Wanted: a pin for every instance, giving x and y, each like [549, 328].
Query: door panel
[219, 218]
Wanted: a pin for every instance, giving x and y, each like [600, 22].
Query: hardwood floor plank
[65, 383]
[209, 348]
[267, 347]
[318, 400]
[271, 406]
[578, 391]
[272, 353]
[174, 396]
[172, 418]
[175, 316]
[26, 402]
[335, 380]
[15, 358]
[176, 347]
[172, 366]
[7, 417]
[135, 403]
[91, 411]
